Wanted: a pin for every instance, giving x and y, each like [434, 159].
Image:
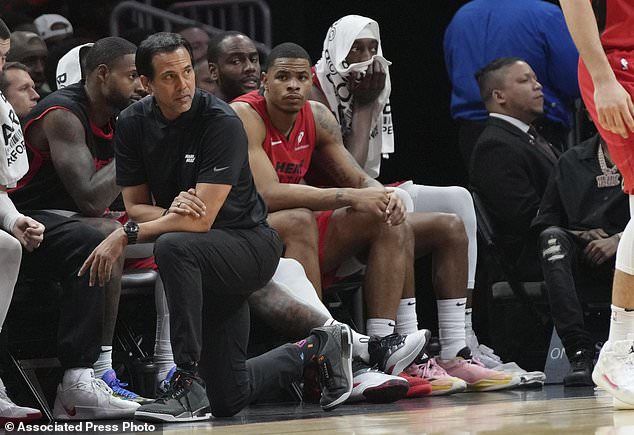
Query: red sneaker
[418, 386]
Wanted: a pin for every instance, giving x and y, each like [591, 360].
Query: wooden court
[551, 410]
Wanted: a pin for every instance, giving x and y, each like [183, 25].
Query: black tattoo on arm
[346, 173]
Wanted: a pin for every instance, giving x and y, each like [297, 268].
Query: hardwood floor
[551, 410]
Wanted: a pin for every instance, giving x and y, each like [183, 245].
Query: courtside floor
[551, 410]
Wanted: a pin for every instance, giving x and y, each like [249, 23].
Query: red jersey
[619, 25]
[290, 156]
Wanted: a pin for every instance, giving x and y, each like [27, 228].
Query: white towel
[333, 72]
[69, 69]
[13, 160]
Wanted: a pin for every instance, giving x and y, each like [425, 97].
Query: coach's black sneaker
[185, 400]
[334, 360]
[395, 352]
[580, 374]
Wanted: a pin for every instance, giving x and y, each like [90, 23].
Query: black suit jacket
[510, 173]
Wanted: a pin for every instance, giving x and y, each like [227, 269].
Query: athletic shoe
[418, 387]
[614, 371]
[580, 373]
[88, 398]
[334, 360]
[110, 378]
[374, 386]
[441, 383]
[477, 377]
[185, 400]
[394, 352]
[9, 411]
[490, 360]
[164, 385]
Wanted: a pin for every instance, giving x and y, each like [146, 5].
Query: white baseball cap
[50, 25]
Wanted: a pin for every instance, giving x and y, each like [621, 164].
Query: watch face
[131, 227]
[131, 230]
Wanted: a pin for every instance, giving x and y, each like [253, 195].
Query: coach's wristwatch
[131, 229]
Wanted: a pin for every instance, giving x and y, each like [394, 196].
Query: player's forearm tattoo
[343, 175]
[328, 123]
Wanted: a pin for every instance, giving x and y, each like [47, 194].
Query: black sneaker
[185, 400]
[334, 360]
[394, 353]
[580, 374]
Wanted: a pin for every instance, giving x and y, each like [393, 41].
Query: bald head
[234, 64]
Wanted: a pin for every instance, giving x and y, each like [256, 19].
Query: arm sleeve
[224, 154]
[128, 159]
[8, 213]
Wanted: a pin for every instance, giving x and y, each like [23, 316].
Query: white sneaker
[490, 360]
[374, 386]
[614, 372]
[82, 397]
[9, 411]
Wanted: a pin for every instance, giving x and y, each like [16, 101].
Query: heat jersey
[42, 188]
[290, 156]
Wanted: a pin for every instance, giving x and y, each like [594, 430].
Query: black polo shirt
[206, 144]
[572, 199]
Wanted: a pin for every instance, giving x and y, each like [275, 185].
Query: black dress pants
[208, 278]
[67, 244]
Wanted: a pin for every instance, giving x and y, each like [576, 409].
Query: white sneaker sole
[380, 391]
[168, 418]
[92, 413]
[620, 399]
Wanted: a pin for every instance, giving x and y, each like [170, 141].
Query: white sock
[468, 322]
[380, 327]
[406, 320]
[71, 376]
[104, 362]
[621, 323]
[163, 356]
[451, 326]
[359, 342]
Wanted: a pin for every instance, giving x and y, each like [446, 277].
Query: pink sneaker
[440, 381]
[477, 377]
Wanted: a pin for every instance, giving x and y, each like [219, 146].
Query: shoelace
[101, 385]
[175, 389]
[393, 340]
[475, 361]
[431, 369]
[117, 387]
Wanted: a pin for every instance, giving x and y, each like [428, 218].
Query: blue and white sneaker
[118, 390]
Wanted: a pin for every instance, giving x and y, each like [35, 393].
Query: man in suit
[511, 163]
